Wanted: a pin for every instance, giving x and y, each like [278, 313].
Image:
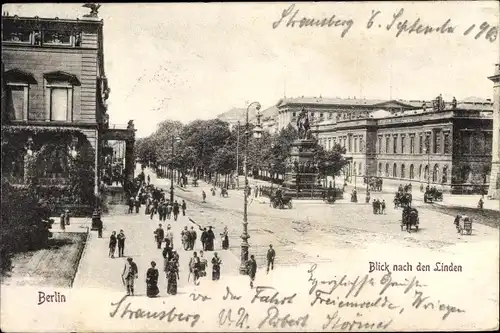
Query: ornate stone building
[449, 148]
[337, 109]
[494, 190]
[54, 115]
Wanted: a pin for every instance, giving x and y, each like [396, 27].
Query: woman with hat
[172, 274]
[216, 262]
[152, 281]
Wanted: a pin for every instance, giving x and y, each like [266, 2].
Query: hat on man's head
[129, 259]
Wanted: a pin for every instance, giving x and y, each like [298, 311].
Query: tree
[330, 162]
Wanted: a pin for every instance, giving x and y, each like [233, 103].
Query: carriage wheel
[290, 205]
[275, 204]
[469, 232]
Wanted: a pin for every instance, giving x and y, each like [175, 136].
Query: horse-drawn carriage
[374, 183]
[281, 201]
[432, 195]
[224, 193]
[402, 199]
[463, 224]
[409, 218]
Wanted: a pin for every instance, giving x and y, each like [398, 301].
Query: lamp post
[174, 140]
[244, 235]
[428, 151]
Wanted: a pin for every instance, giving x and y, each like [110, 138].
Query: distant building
[55, 106]
[337, 109]
[450, 148]
[494, 190]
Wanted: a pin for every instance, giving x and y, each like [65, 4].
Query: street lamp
[73, 151]
[174, 140]
[244, 235]
[29, 146]
[428, 152]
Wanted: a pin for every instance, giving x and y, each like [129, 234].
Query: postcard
[238, 167]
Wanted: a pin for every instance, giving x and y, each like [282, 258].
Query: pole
[238, 157]
[245, 236]
[172, 175]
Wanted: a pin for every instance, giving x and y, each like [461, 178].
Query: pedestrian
[152, 280]
[172, 274]
[99, 227]
[271, 254]
[204, 195]
[480, 203]
[149, 179]
[209, 240]
[137, 204]
[66, 216]
[225, 239]
[256, 191]
[112, 244]
[194, 267]
[63, 222]
[251, 269]
[169, 235]
[204, 239]
[383, 206]
[130, 205]
[175, 210]
[183, 208]
[203, 265]
[159, 235]
[185, 236]
[129, 274]
[216, 262]
[192, 238]
[121, 243]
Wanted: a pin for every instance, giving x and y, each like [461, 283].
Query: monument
[494, 188]
[301, 175]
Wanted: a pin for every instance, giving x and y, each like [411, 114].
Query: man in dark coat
[204, 239]
[271, 254]
[209, 240]
[192, 238]
[251, 269]
[121, 243]
[159, 236]
[183, 208]
[175, 210]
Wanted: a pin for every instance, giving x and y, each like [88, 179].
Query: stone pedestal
[301, 176]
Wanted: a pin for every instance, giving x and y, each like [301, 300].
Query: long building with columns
[450, 148]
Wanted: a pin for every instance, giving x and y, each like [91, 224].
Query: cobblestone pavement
[305, 232]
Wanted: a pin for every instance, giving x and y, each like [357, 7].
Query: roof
[51, 19]
[235, 114]
[380, 114]
[349, 102]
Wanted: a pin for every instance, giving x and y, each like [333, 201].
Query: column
[129, 160]
[494, 188]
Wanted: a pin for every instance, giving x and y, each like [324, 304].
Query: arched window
[380, 169]
[387, 170]
[435, 172]
[466, 174]
[445, 175]
[355, 169]
[426, 172]
[394, 170]
[360, 168]
[412, 172]
[420, 172]
[403, 171]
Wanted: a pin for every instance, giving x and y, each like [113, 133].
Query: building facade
[322, 109]
[55, 112]
[494, 190]
[450, 148]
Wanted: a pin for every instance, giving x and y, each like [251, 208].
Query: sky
[194, 61]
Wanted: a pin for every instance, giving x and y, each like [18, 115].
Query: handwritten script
[399, 23]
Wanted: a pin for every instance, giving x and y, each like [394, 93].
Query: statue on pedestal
[303, 125]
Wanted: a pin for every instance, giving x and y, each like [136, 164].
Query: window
[355, 144]
[355, 169]
[394, 170]
[412, 172]
[350, 144]
[380, 169]
[329, 143]
[395, 144]
[312, 114]
[402, 144]
[360, 168]
[321, 115]
[57, 38]
[387, 169]
[59, 96]
[412, 144]
[427, 149]
[330, 115]
[445, 175]
[387, 145]
[403, 171]
[379, 147]
[294, 114]
[361, 144]
[420, 172]
[446, 142]
[420, 143]
[437, 142]
[435, 172]
[17, 93]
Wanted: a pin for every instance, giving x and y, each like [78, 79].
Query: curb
[82, 253]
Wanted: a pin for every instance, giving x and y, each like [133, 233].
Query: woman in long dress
[216, 262]
[172, 276]
[225, 239]
[152, 281]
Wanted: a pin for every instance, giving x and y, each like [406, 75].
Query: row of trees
[209, 148]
